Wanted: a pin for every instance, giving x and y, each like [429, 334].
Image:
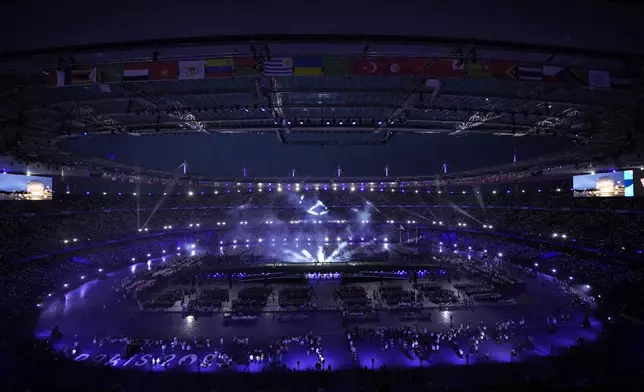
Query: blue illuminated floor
[96, 308]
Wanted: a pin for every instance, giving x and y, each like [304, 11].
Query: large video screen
[20, 187]
[639, 182]
[614, 184]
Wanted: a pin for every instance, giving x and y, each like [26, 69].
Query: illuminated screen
[615, 184]
[639, 182]
[19, 187]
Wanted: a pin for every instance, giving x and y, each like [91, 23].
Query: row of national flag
[318, 66]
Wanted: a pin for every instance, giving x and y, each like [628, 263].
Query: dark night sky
[225, 155]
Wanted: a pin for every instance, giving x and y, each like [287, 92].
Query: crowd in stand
[73, 221]
[27, 229]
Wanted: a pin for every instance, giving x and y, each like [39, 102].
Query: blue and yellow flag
[219, 68]
[308, 66]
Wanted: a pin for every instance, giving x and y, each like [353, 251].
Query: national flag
[438, 67]
[367, 67]
[219, 68]
[308, 66]
[529, 73]
[479, 70]
[282, 66]
[136, 72]
[192, 69]
[495, 69]
[164, 70]
[622, 80]
[338, 66]
[618, 83]
[395, 66]
[402, 227]
[59, 77]
[110, 73]
[578, 75]
[503, 69]
[563, 75]
[555, 74]
[84, 75]
[247, 66]
[600, 79]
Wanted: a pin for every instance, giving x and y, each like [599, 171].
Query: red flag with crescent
[367, 67]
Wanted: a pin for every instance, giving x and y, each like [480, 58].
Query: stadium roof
[307, 93]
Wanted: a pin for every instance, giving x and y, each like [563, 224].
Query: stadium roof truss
[315, 110]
